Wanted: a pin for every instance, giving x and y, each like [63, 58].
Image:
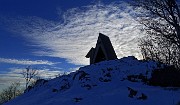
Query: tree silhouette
[161, 19]
[28, 74]
[10, 92]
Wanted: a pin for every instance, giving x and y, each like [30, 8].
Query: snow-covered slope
[104, 83]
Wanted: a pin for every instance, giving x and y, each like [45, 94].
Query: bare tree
[11, 92]
[161, 19]
[28, 74]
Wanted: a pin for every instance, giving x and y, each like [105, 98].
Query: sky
[53, 36]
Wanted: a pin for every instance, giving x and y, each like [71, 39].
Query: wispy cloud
[72, 38]
[15, 75]
[26, 62]
[42, 73]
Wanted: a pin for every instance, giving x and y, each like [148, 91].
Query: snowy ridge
[104, 83]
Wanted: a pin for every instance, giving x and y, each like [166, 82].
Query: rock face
[103, 50]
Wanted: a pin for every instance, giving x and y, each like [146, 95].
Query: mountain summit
[114, 82]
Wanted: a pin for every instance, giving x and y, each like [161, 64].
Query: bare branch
[162, 25]
[29, 74]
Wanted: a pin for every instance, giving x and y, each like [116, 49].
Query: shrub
[11, 92]
[169, 76]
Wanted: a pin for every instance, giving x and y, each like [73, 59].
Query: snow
[103, 83]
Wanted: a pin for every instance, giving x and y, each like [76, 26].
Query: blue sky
[54, 36]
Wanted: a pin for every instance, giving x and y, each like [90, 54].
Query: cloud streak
[42, 73]
[14, 75]
[72, 38]
[26, 62]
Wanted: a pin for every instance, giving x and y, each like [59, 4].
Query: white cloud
[7, 79]
[73, 69]
[42, 73]
[46, 73]
[73, 38]
[26, 62]
[14, 75]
